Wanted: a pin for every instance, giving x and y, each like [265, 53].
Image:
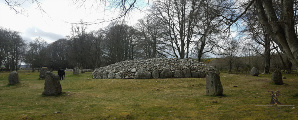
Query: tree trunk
[280, 30]
[267, 54]
[154, 47]
[202, 46]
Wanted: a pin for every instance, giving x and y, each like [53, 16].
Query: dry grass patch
[86, 98]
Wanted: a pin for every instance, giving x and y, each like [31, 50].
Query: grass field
[87, 98]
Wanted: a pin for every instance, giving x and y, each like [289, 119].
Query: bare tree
[151, 32]
[58, 54]
[178, 16]
[119, 43]
[280, 25]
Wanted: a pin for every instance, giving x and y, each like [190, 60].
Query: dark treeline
[12, 48]
[83, 49]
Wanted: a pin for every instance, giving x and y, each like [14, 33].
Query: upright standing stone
[52, 85]
[76, 71]
[42, 72]
[254, 72]
[213, 84]
[276, 77]
[13, 78]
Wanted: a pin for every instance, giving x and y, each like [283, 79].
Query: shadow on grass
[295, 95]
[62, 94]
[219, 96]
[15, 85]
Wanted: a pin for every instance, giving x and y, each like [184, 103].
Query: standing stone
[42, 72]
[187, 73]
[178, 74]
[276, 77]
[254, 72]
[166, 73]
[133, 70]
[155, 74]
[76, 71]
[213, 84]
[52, 85]
[13, 78]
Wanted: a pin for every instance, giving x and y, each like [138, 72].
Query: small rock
[133, 70]
[57, 112]
[254, 72]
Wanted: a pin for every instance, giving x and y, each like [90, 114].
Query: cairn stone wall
[152, 68]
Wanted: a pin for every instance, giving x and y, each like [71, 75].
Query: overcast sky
[55, 22]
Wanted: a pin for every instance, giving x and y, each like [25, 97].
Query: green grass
[87, 98]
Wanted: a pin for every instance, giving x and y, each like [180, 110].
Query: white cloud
[58, 16]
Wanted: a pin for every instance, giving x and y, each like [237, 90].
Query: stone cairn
[276, 77]
[213, 84]
[52, 85]
[254, 71]
[42, 72]
[13, 78]
[152, 68]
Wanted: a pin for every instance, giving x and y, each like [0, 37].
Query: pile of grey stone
[152, 68]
